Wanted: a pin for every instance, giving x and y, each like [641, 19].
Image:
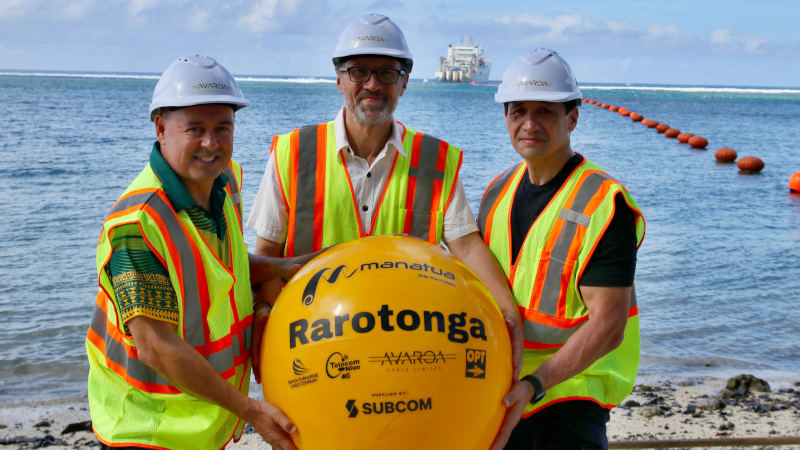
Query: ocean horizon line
[308, 79]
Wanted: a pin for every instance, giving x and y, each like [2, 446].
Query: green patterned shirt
[141, 282]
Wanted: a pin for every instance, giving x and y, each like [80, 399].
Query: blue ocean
[718, 274]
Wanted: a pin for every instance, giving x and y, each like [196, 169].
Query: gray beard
[372, 115]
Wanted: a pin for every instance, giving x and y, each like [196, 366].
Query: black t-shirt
[613, 262]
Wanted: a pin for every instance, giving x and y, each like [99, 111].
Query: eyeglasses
[361, 75]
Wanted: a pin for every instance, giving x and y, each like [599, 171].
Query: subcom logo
[352, 409]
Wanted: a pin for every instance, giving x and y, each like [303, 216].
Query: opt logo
[351, 407]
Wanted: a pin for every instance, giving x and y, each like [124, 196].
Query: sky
[699, 42]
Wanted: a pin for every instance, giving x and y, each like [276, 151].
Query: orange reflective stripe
[411, 189]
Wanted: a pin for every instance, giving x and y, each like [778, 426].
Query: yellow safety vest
[319, 195]
[130, 403]
[544, 279]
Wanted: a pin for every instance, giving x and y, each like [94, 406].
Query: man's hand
[273, 426]
[515, 332]
[516, 399]
[260, 316]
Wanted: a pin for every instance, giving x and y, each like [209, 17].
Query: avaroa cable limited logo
[426, 270]
[388, 407]
[417, 360]
[339, 365]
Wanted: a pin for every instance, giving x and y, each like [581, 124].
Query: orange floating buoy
[662, 127]
[613, 108]
[604, 105]
[750, 164]
[625, 112]
[725, 154]
[794, 183]
[636, 117]
[646, 121]
[651, 124]
[698, 142]
[684, 137]
[672, 132]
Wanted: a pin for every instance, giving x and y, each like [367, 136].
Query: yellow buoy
[387, 342]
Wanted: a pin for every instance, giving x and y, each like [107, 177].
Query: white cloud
[136, 7]
[198, 21]
[12, 10]
[727, 40]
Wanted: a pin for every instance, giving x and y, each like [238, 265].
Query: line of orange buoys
[746, 164]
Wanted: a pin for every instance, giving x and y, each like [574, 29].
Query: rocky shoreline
[712, 412]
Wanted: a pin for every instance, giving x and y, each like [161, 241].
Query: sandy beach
[734, 413]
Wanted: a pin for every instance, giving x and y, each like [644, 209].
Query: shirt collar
[395, 140]
[173, 187]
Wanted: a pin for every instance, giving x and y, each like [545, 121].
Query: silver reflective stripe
[306, 190]
[115, 351]
[548, 303]
[425, 174]
[545, 334]
[491, 197]
[574, 216]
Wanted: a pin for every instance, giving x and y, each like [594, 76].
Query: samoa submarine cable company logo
[311, 288]
[299, 368]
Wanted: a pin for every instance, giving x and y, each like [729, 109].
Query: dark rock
[249, 429]
[655, 400]
[631, 404]
[645, 388]
[748, 383]
[726, 426]
[42, 424]
[78, 426]
[686, 383]
[649, 411]
[690, 409]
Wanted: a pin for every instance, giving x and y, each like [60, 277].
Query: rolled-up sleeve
[269, 215]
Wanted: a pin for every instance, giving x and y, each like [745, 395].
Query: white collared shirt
[269, 215]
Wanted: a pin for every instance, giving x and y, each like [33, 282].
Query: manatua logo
[388, 407]
[339, 365]
[431, 271]
[407, 320]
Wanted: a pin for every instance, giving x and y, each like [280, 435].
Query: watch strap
[538, 389]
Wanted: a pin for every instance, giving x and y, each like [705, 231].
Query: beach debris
[78, 426]
[725, 154]
[31, 442]
[751, 164]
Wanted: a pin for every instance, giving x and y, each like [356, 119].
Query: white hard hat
[196, 80]
[538, 75]
[372, 34]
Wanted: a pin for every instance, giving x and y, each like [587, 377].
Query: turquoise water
[718, 276]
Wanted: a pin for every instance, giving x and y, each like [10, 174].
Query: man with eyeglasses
[365, 174]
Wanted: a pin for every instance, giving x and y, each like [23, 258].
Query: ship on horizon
[464, 64]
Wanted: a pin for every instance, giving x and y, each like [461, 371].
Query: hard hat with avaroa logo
[372, 34]
[538, 75]
[196, 80]
[387, 342]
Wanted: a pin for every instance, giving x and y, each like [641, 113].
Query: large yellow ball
[387, 342]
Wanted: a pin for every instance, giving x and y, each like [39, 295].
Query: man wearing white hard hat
[169, 344]
[570, 233]
[364, 173]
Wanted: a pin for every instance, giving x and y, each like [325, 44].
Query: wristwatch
[538, 389]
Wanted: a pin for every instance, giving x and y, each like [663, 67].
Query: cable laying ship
[464, 64]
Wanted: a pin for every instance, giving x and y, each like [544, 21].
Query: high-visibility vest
[319, 194]
[544, 279]
[130, 403]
